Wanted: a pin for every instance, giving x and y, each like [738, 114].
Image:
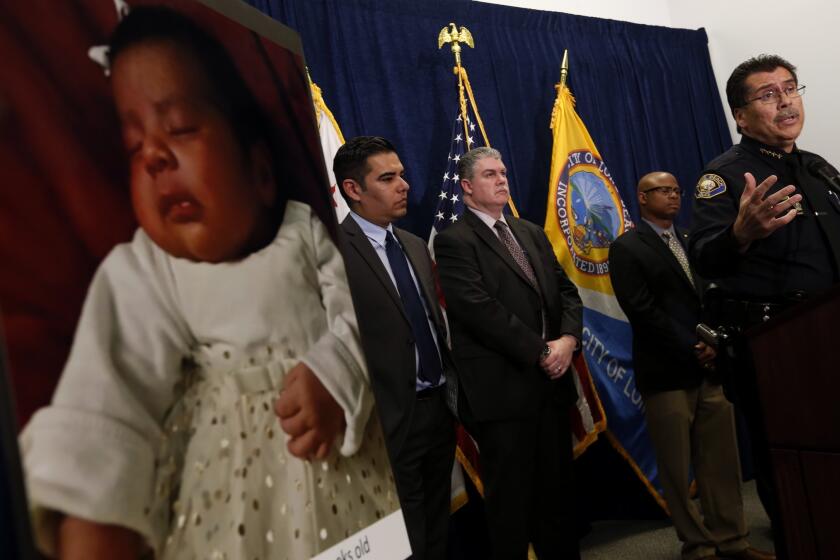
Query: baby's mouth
[179, 208]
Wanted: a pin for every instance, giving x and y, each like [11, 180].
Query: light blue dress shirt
[376, 235]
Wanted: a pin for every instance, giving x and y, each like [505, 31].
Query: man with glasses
[766, 229]
[690, 422]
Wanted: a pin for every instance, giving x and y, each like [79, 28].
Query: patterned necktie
[516, 252]
[522, 260]
[430, 367]
[676, 248]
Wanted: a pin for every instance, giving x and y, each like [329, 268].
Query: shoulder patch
[709, 186]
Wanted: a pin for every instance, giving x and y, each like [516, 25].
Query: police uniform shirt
[800, 256]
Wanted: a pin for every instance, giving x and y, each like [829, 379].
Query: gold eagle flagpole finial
[451, 34]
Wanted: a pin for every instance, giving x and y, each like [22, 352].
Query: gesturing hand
[308, 413]
[759, 216]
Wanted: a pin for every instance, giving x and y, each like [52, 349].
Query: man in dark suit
[516, 322]
[403, 335]
[690, 422]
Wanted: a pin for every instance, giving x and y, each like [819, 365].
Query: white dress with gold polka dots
[163, 420]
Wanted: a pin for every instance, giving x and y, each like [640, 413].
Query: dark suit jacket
[384, 328]
[494, 314]
[663, 309]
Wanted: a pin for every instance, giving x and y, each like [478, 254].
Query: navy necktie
[430, 368]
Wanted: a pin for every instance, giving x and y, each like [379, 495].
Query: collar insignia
[770, 153]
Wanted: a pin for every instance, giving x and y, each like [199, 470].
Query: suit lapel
[650, 237]
[361, 244]
[488, 237]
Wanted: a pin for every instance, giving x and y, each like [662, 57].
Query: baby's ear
[263, 172]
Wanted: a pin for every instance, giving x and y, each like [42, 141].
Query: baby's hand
[79, 539]
[308, 413]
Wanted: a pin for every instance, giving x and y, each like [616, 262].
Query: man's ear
[738, 116]
[352, 189]
[466, 186]
[263, 173]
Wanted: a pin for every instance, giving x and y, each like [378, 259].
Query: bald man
[689, 420]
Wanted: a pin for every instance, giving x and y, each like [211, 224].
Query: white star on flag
[450, 204]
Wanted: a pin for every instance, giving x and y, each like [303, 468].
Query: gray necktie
[676, 248]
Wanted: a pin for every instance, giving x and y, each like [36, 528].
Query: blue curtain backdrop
[646, 93]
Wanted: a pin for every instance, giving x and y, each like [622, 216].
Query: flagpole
[452, 34]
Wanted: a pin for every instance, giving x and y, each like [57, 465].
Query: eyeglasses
[667, 191]
[773, 96]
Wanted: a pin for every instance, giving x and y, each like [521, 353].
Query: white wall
[806, 32]
[651, 12]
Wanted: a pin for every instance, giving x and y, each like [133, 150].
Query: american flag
[450, 208]
[450, 205]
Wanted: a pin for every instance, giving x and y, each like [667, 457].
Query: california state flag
[331, 141]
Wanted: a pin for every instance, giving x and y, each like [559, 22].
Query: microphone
[824, 170]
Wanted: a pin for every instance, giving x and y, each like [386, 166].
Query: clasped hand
[558, 360]
[705, 354]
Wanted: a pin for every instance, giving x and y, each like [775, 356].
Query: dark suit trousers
[423, 473]
[526, 466]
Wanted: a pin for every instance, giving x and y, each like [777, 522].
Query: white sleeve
[91, 453]
[337, 358]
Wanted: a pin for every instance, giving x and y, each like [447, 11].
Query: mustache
[785, 113]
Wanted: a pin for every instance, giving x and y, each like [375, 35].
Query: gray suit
[419, 432]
